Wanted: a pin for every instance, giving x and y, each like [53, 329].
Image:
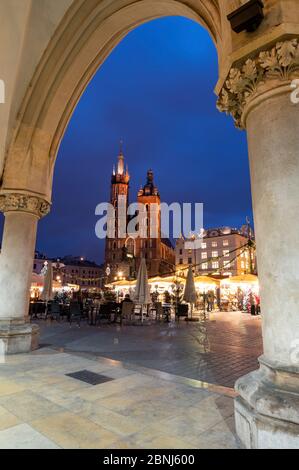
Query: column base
[17, 337]
[267, 408]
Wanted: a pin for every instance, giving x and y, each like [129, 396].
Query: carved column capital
[19, 202]
[269, 69]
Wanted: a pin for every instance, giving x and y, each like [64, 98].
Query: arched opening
[59, 89]
[130, 244]
[83, 40]
[83, 166]
[131, 100]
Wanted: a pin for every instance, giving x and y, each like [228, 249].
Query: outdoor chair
[32, 310]
[158, 310]
[37, 310]
[54, 311]
[107, 311]
[127, 310]
[65, 311]
[75, 313]
[166, 315]
[182, 311]
[115, 311]
[139, 311]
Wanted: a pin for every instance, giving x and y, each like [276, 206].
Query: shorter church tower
[157, 251]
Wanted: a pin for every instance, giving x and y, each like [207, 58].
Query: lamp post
[249, 244]
[58, 271]
[247, 17]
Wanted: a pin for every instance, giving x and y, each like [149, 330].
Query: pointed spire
[120, 171]
[120, 165]
[121, 145]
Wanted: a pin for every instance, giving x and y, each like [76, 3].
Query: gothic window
[130, 245]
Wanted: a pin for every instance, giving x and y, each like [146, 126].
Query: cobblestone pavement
[217, 351]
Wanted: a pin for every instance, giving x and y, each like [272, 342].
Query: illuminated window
[204, 266]
[242, 265]
[214, 244]
[226, 253]
[225, 243]
[204, 255]
[215, 265]
[214, 254]
[203, 246]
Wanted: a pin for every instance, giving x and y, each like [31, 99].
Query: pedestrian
[252, 304]
[126, 299]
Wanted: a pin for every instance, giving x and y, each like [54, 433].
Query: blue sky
[155, 91]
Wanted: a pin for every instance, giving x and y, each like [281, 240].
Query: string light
[242, 249]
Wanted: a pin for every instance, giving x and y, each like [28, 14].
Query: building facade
[77, 270]
[222, 251]
[124, 253]
[86, 274]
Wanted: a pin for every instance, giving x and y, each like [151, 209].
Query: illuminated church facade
[123, 254]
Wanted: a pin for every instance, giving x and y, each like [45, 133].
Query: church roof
[167, 242]
[149, 189]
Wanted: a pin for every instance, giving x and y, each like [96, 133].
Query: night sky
[156, 92]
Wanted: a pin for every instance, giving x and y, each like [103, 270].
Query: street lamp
[247, 17]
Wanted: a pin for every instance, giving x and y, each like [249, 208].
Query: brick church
[123, 255]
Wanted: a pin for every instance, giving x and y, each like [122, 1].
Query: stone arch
[256, 92]
[86, 35]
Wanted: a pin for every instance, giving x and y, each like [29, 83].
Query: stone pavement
[218, 351]
[140, 405]
[41, 407]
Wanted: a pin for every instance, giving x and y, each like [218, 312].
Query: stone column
[16, 263]
[258, 94]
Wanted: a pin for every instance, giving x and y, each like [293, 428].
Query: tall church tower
[114, 249]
